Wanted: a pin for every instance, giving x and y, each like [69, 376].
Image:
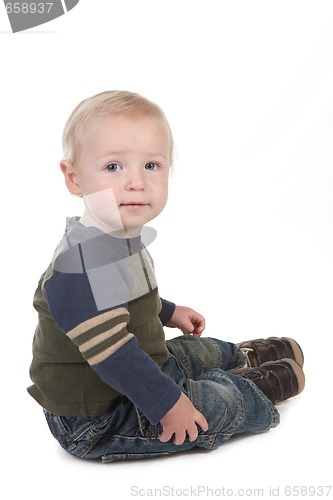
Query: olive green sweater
[91, 346]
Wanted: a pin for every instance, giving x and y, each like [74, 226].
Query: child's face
[122, 170]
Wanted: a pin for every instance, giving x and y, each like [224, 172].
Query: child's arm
[166, 313]
[183, 418]
[187, 320]
[108, 346]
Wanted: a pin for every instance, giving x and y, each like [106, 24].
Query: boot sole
[299, 374]
[297, 351]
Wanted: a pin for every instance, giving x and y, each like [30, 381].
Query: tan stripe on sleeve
[110, 350]
[101, 337]
[96, 321]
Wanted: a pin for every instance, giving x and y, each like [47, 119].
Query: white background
[247, 236]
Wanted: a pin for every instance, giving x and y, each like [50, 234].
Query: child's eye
[151, 166]
[113, 167]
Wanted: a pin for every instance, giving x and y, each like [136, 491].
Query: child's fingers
[202, 422]
[179, 437]
[165, 436]
[193, 433]
[187, 327]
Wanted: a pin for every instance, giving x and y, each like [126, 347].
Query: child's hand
[182, 419]
[187, 320]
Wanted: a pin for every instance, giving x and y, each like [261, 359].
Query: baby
[111, 386]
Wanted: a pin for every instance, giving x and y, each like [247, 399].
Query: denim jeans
[231, 404]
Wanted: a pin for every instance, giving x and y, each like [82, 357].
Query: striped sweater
[100, 328]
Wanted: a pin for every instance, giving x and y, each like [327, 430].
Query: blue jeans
[231, 404]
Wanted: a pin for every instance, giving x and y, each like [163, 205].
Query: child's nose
[135, 181]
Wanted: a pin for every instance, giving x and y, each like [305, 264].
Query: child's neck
[116, 230]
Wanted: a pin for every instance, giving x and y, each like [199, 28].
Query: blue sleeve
[116, 357]
[132, 372]
[168, 308]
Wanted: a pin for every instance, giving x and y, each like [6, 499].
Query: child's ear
[71, 181]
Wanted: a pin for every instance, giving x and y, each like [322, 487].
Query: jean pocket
[76, 434]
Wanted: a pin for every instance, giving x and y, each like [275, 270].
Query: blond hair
[108, 103]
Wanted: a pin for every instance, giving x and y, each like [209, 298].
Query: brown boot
[260, 351]
[278, 380]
